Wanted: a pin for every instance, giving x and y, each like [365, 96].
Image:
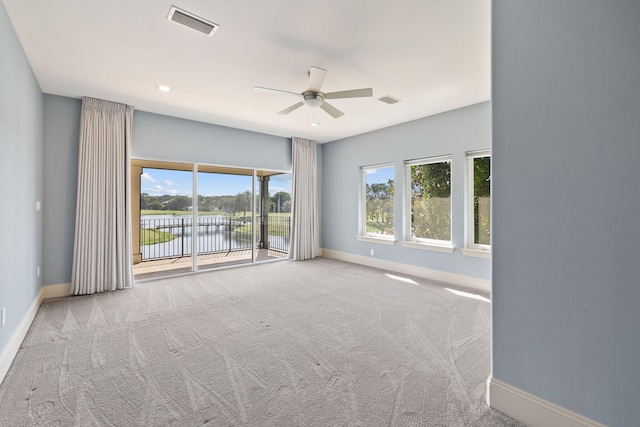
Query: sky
[379, 175]
[156, 182]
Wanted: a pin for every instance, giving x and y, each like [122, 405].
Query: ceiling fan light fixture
[313, 99]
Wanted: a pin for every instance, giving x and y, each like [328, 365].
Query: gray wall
[154, 137]
[566, 197]
[170, 138]
[454, 132]
[61, 136]
[21, 178]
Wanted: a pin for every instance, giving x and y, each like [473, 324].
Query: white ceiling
[433, 55]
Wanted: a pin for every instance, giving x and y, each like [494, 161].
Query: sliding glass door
[274, 216]
[165, 224]
[225, 213]
[238, 216]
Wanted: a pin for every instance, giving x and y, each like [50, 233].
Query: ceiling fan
[314, 97]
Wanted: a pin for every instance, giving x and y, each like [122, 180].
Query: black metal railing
[279, 230]
[172, 237]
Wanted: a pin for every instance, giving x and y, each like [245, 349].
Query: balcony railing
[172, 237]
[278, 229]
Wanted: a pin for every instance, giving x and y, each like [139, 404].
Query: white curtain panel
[305, 224]
[102, 253]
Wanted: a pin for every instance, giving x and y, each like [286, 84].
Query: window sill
[427, 246]
[381, 240]
[478, 253]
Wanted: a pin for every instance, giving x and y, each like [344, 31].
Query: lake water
[215, 234]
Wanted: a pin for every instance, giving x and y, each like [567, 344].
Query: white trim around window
[363, 235]
[428, 245]
[477, 253]
[410, 241]
[471, 248]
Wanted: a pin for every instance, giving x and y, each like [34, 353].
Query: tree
[481, 200]
[144, 201]
[227, 203]
[281, 202]
[155, 205]
[431, 200]
[482, 176]
[178, 203]
[379, 206]
[208, 204]
[242, 202]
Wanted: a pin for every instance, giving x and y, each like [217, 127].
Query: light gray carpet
[313, 343]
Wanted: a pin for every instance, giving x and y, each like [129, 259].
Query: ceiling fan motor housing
[313, 99]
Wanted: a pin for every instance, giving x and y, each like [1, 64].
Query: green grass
[243, 229]
[280, 215]
[149, 236]
[277, 226]
[278, 231]
[379, 227]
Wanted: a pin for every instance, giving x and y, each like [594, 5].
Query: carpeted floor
[313, 343]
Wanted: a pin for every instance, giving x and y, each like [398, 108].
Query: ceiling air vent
[388, 99]
[192, 21]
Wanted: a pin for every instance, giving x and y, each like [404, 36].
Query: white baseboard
[532, 410]
[56, 291]
[10, 351]
[412, 270]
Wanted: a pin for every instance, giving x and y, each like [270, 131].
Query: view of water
[214, 234]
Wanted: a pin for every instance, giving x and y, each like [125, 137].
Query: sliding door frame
[138, 164]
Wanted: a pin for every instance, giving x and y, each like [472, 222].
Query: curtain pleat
[305, 224]
[102, 246]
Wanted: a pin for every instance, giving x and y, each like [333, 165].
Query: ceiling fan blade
[267, 90]
[355, 93]
[333, 111]
[316, 77]
[290, 109]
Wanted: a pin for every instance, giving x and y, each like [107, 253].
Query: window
[429, 201]
[376, 207]
[479, 200]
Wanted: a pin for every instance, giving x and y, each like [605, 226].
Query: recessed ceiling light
[163, 88]
[314, 124]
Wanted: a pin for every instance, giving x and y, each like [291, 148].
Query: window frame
[472, 248]
[388, 239]
[421, 242]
